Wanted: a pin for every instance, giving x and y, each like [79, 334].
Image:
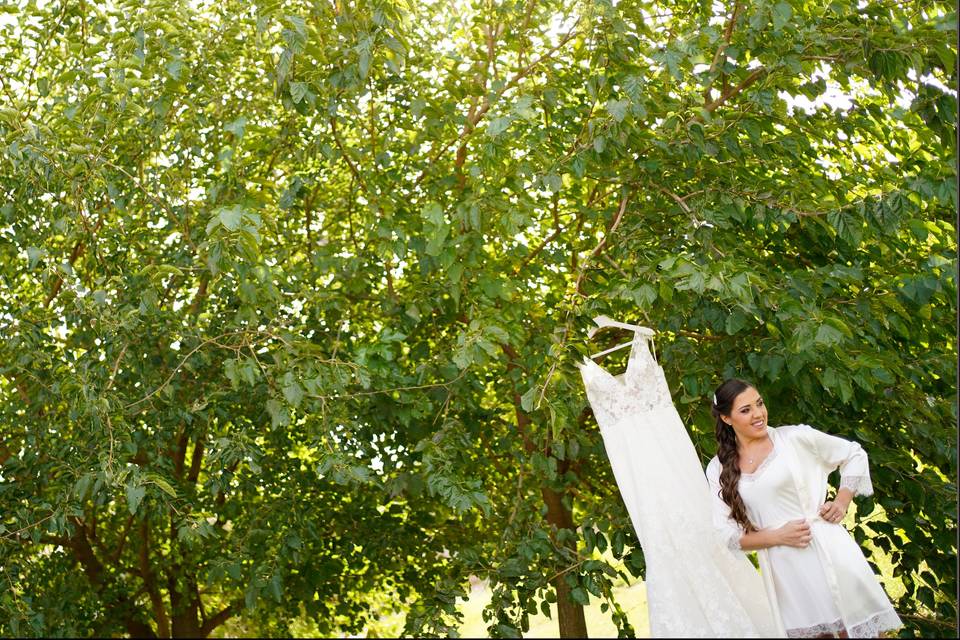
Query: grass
[632, 598]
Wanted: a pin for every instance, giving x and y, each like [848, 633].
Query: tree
[294, 292]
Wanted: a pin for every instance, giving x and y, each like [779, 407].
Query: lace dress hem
[869, 628]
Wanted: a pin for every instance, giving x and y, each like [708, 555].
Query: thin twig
[116, 366]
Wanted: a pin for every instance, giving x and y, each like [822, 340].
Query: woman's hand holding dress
[795, 533]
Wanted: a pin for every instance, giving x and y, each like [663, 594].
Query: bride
[768, 488]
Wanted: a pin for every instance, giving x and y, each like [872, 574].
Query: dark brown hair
[727, 452]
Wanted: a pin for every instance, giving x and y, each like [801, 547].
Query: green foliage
[293, 293]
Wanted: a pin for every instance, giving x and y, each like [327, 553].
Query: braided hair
[727, 452]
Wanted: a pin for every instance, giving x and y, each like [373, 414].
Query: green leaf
[278, 413]
[230, 217]
[736, 321]
[696, 134]
[83, 485]
[275, 587]
[782, 12]
[433, 214]
[363, 63]
[696, 282]
[34, 254]
[436, 240]
[553, 182]
[250, 596]
[589, 539]
[298, 91]
[135, 493]
[523, 107]
[846, 389]
[161, 483]
[617, 109]
[846, 226]
[526, 400]
[174, 68]
[827, 334]
[829, 378]
[579, 595]
[645, 296]
[234, 570]
[839, 325]
[496, 126]
[293, 392]
[237, 126]
[299, 25]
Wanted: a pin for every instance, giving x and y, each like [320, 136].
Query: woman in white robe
[769, 487]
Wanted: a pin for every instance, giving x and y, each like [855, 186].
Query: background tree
[294, 292]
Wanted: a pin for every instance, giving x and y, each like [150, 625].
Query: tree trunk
[184, 607]
[185, 626]
[116, 603]
[570, 615]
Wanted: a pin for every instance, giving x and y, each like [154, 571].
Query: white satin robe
[828, 585]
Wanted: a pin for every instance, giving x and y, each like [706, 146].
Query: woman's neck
[751, 442]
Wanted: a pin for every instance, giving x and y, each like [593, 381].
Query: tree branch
[733, 92]
[201, 294]
[58, 283]
[727, 35]
[308, 212]
[346, 156]
[599, 248]
[523, 29]
[487, 103]
[197, 457]
[557, 230]
[220, 617]
[523, 420]
[150, 581]
[116, 366]
[180, 454]
[115, 556]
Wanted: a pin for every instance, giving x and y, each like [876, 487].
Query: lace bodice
[642, 387]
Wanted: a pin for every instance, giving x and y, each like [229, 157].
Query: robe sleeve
[847, 455]
[726, 527]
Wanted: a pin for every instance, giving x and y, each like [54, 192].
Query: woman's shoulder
[791, 430]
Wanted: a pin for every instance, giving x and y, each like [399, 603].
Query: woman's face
[748, 415]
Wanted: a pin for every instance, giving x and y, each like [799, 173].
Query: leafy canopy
[293, 292]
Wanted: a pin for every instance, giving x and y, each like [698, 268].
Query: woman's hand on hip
[795, 533]
[833, 510]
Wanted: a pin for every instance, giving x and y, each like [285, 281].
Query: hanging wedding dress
[696, 586]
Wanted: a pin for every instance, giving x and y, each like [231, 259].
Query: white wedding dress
[697, 587]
